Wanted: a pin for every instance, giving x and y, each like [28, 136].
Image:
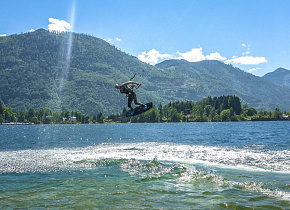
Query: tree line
[210, 109]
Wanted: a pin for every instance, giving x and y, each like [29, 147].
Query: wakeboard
[139, 110]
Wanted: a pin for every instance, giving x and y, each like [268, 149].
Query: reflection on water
[185, 165]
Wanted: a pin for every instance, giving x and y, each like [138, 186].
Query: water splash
[223, 157]
[187, 165]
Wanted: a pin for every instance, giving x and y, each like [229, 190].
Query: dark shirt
[125, 89]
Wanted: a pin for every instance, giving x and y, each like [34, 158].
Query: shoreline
[251, 120]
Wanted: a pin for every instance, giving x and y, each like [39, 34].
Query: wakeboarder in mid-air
[127, 88]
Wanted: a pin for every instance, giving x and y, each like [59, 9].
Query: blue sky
[250, 34]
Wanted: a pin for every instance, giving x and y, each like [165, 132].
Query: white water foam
[69, 159]
[246, 159]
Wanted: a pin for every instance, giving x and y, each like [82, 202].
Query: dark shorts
[132, 96]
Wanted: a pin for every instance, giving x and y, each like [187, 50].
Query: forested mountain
[213, 78]
[70, 71]
[35, 71]
[280, 76]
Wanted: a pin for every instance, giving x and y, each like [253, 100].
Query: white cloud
[152, 57]
[2, 35]
[215, 56]
[108, 40]
[248, 49]
[247, 52]
[194, 55]
[246, 60]
[31, 30]
[58, 26]
[111, 41]
[253, 69]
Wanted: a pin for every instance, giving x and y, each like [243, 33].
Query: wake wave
[184, 163]
[57, 159]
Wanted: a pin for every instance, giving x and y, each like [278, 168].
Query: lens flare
[67, 43]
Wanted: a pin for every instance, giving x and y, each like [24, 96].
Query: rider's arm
[131, 82]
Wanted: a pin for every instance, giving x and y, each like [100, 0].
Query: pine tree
[1, 112]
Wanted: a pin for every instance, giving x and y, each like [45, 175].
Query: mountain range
[280, 76]
[71, 71]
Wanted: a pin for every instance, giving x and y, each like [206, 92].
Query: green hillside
[34, 73]
[213, 78]
[38, 70]
[280, 76]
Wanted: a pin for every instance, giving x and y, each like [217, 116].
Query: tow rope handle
[138, 85]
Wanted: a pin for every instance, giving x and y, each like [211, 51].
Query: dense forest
[43, 69]
[210, 109]
[71, 71]
[280, 76]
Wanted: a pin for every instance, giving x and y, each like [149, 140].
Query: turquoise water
[243, 165]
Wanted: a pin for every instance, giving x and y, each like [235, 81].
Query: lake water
[242, 165]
